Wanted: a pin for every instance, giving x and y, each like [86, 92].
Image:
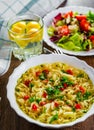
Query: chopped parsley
[32, 99]
[53, 118]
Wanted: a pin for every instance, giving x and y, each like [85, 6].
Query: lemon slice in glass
[25, 32]
[34, 31]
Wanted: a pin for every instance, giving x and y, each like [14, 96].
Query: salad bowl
[57, 41]
[34, 61]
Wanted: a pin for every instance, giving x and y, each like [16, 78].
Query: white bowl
[48, 20]
[46, 59]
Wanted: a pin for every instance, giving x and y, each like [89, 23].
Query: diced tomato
[68, 14]
[69, 71]
[34, 107]
[84, 25]
[27, 82]
[81, 17]
[44, 94]
[45, 71]
[56, 104]
[45, 81]
[62, 89]
[92, 38]
[78, 106]
[38, 73]
[26, 97]
[65, 85]
[42, 103]
[63, 30]
[58, 17]
[82, 89]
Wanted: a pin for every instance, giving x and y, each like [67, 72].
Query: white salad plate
[37, 60]
[48, 20]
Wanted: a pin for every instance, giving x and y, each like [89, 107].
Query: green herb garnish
[54, 117]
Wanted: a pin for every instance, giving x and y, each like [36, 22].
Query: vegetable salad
[73, 31]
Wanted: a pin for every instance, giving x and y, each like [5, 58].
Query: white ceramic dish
[48, 19]
[46, 59]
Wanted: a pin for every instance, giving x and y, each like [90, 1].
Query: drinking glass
[26, 33]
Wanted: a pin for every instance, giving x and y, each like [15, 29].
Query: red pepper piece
[69, 71]
[65, 85]
[26, 97]
[78, 106]
[27, 82]
[45, 81]
[38, 73]
[42, 103]
[34, 107]
[82, 89]
[56, 104]
[62, 89]
[45, 71]
[44, 94]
